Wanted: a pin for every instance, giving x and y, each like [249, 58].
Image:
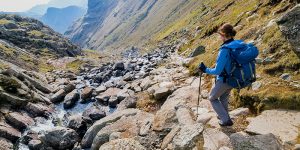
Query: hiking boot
[224, 124]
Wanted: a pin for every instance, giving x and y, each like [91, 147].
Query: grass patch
[75, 65]
[43, 67]
[4, 21]
[36, 33]
[7, 50]
[298, 138]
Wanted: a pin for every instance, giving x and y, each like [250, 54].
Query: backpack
[243, 72]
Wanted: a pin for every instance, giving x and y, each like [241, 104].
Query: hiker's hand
[202, 67]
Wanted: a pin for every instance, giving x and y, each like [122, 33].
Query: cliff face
[120, 24]
[60, 19]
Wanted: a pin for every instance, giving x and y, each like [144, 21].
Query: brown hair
[227, 30]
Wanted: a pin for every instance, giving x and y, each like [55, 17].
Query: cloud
[19, 5]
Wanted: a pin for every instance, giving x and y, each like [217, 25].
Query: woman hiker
[219, 94]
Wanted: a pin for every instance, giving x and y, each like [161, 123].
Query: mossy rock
[9, 84]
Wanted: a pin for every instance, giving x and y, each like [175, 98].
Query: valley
[124, 76]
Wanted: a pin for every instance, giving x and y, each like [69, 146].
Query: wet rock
[119, 66]
[19, 120]
[86, 93]
[38, 110]
[77, 123]
[214, 139]
[8, 132]
[69, 87]
[5, 144]
[60, 138]
[58, 96]
[94, 113]
[162, 93]
[31, 135]
[35, 145]
[97, 126]
[260, 142]
[283, 124]
[71, 99]
[122, 144]
[187, 137]
[113, 102]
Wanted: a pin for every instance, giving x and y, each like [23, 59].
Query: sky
[19, 5]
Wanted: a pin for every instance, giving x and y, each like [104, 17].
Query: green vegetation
[36, 33]
[4, 21]
[7, 50]
[43, 67]
[74, 65]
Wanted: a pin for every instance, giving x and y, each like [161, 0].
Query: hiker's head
[226, 32]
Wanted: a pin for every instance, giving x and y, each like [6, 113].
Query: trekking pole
[199, 95]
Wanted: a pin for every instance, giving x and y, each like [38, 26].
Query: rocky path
[101, 108]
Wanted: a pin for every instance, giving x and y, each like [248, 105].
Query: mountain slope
[60, 19]
[40, 10]
[26, 42]
[121, 24]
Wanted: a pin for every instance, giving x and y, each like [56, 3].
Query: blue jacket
[223, 59]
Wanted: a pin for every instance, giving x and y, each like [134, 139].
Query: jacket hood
[235, 44]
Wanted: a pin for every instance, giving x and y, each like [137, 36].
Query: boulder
[290, 26]
[239, 112]
[14, 100]
[122, 144]
[69, 87]
[71, 99]
[119, 66]
[8, 132]
[113, 102]
[165, 118]
[58, 96]
[241, 141]
[77, 123]
[19, 120]
[187, 137]
[86, 93]
[5, 144]
[199, 50]
[130, 126]
[162, 93]
[128, 102]
[35, 145]
[184, 115]
[286, 76]
[281, 123]
[38, 110]
[60, 138]
[215, 139]
[30, 135]
[100, 89]
[97, 126]
[94, 113]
